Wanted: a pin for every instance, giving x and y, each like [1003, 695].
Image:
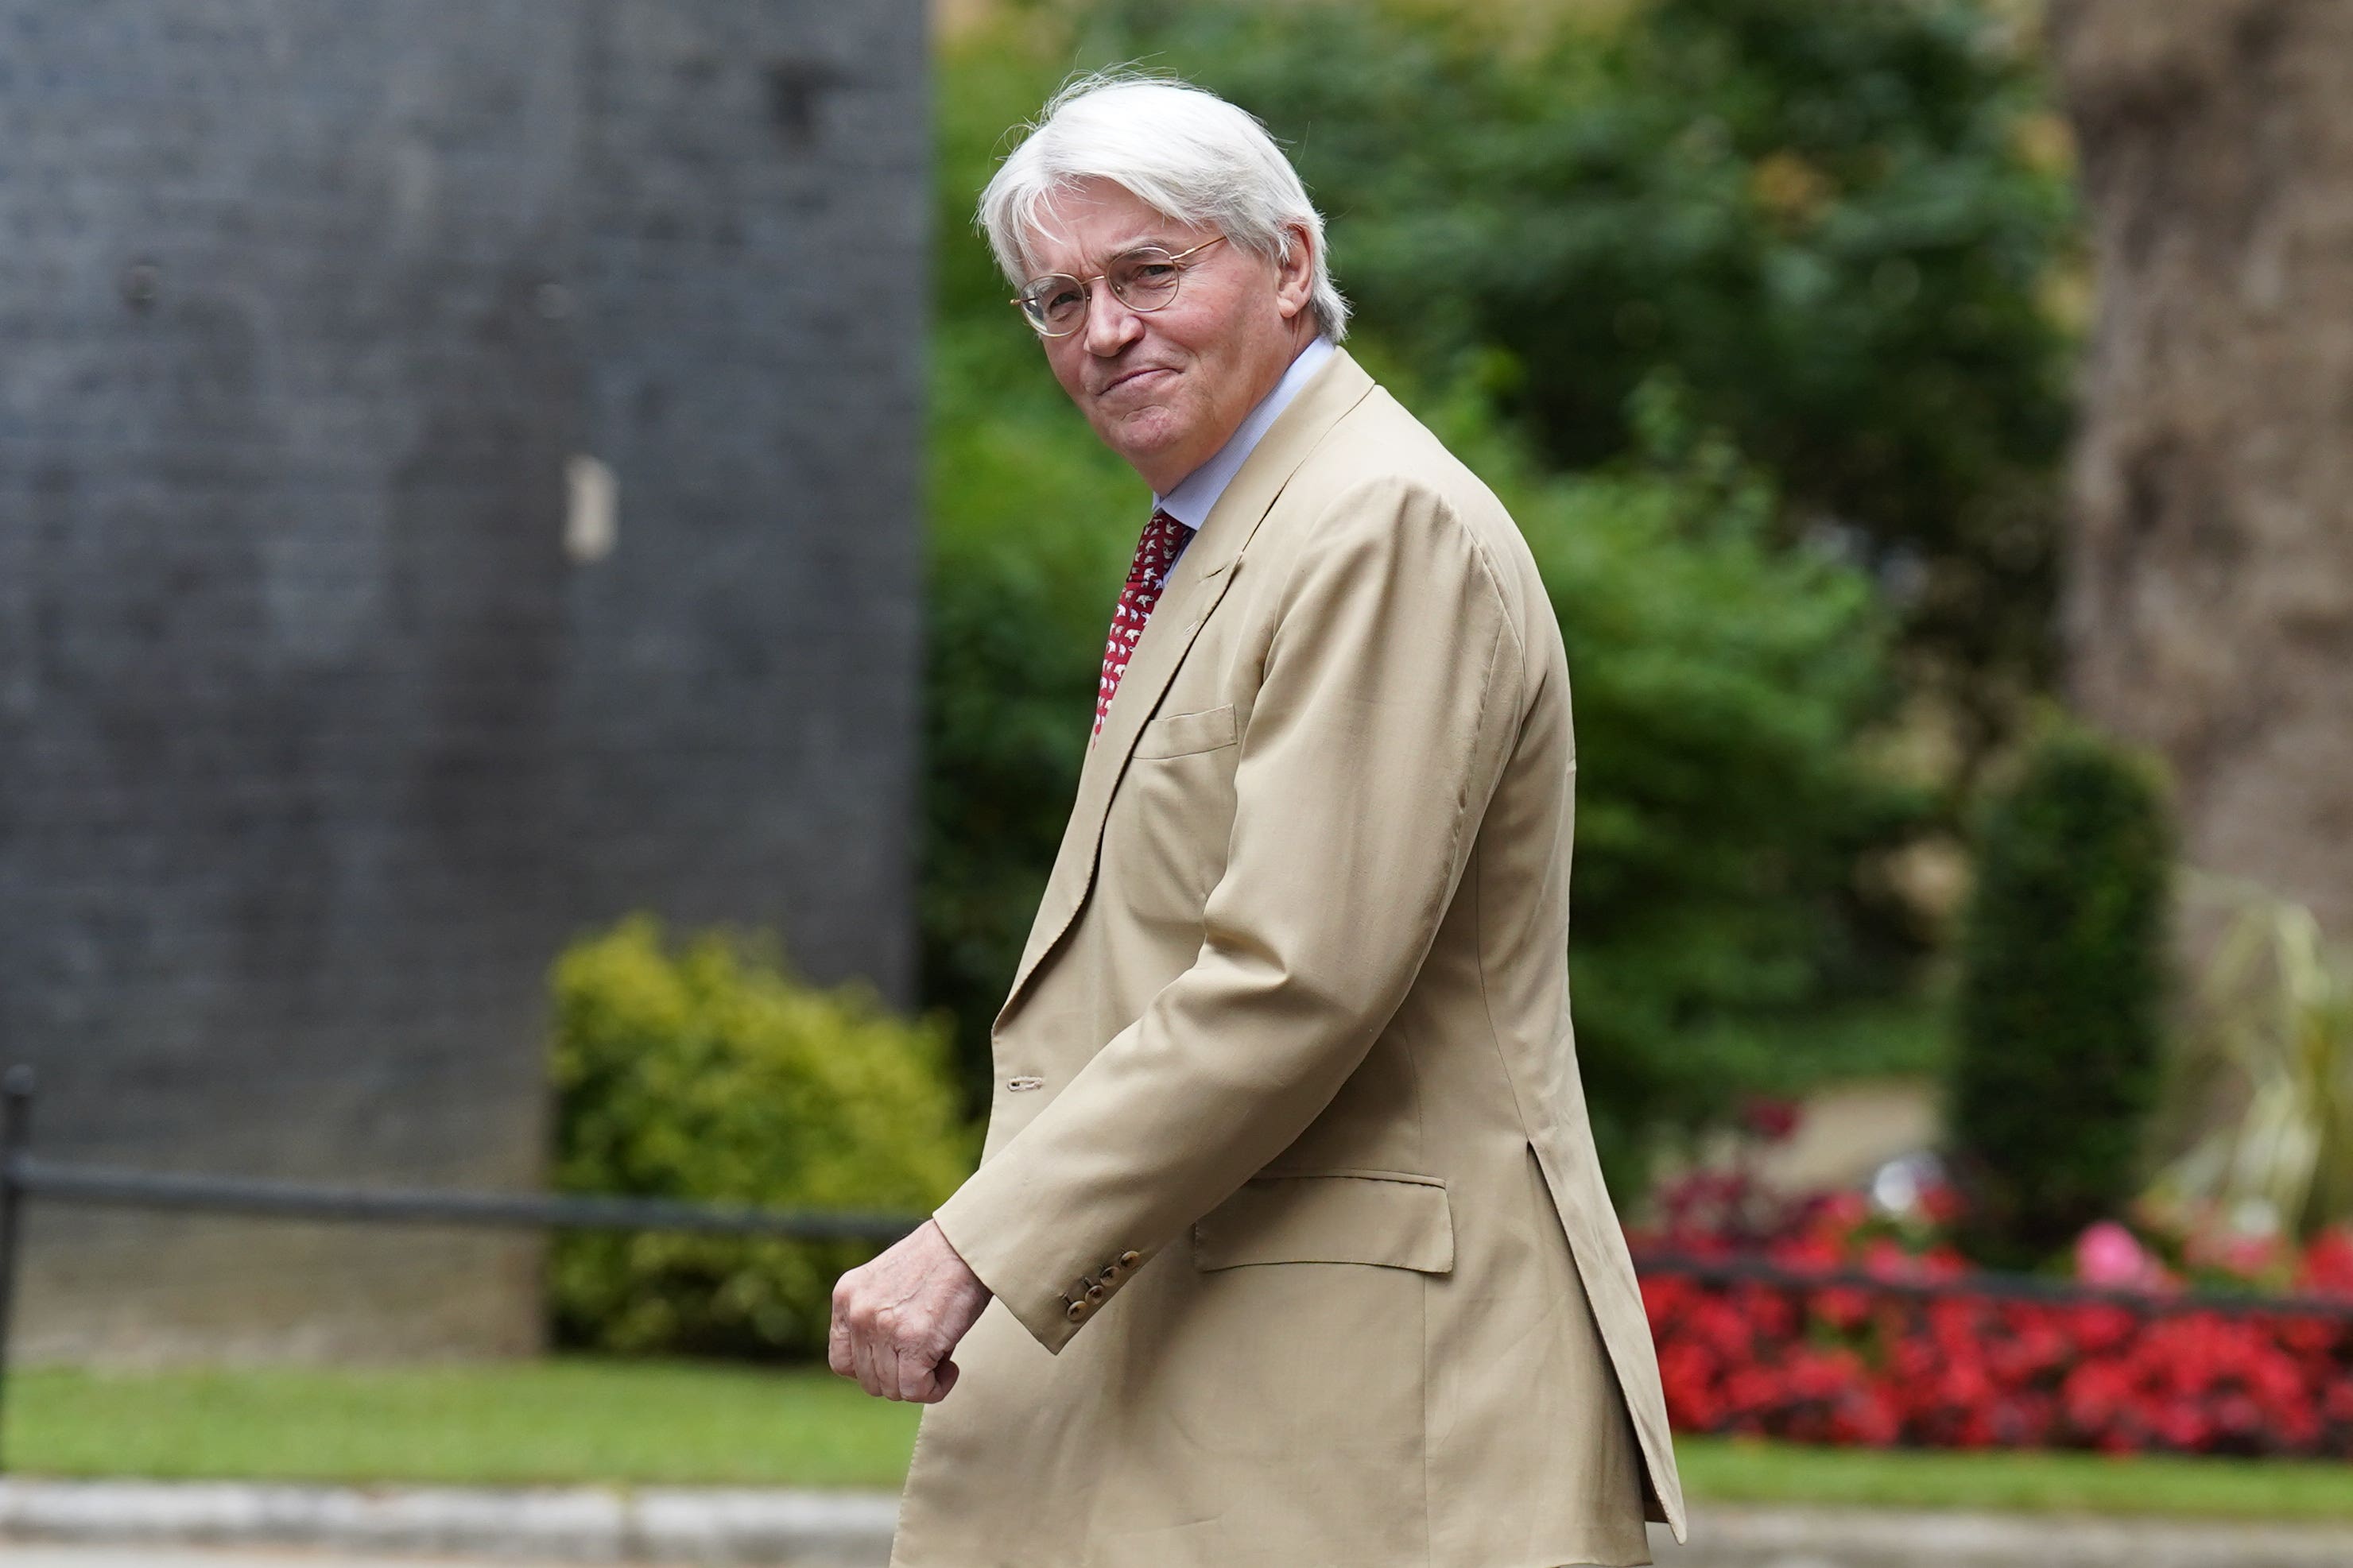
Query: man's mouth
[1135, 374]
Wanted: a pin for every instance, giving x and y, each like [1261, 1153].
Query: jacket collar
[1200, 581]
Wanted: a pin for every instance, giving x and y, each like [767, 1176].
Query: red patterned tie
[1164, 536]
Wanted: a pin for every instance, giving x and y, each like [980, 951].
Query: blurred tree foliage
[1841, 223]
[1721, 681]
[1737, 303]
[707, 1070]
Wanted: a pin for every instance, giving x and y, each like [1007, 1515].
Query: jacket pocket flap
[1396, 1220]
[1180, 735]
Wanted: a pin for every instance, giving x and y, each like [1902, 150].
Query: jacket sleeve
[1387, 703]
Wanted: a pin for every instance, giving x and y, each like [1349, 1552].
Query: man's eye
[1153, 271]
[1058, 300]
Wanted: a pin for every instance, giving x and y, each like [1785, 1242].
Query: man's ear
[1294, 283]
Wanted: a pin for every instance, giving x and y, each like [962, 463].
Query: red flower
[2327, 1266]
[1958, 1368]
[1770, 1118]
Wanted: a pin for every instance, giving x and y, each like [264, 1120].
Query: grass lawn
[654, 1422]
[501, 1422]
[1719, 1469]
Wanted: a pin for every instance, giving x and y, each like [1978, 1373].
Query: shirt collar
[1195, 495]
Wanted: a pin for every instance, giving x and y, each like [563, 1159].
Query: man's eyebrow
[1149, 239]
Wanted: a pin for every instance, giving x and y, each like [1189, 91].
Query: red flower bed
[1864, 1335]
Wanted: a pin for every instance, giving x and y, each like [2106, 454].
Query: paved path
[19, 1555]
[576, 1524]
[60, 1524]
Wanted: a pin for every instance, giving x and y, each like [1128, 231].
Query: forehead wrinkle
[1044, 214]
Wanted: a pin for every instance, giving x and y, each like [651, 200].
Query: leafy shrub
[2059, 1029]
[711, 1073]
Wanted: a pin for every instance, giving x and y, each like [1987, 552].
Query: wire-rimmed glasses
[1144, 279]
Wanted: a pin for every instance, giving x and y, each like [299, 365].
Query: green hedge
[706, 1071]
[2059, 1029]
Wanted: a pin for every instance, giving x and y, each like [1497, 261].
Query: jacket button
[1130, 1259]
[1095, 1293]
[1078, 1309]
[1109, 1272]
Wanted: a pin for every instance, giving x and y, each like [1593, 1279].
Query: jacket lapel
[1202, 575]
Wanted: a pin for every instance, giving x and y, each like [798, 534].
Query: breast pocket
[1164, 840]
[1187, 734]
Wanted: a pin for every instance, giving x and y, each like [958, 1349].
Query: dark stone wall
[322, 724]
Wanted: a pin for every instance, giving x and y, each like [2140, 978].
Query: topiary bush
[2059, 1033]
[710, 1072]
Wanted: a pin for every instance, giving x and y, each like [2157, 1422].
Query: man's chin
[1143, 434]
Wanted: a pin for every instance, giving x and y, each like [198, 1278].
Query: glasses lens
[1056, 303]
[1145, 280]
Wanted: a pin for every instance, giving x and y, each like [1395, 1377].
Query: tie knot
[1155, 552]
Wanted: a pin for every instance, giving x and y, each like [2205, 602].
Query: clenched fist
[896, 1320]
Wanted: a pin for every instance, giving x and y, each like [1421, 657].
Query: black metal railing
[1750, 1269]
[25, 1176]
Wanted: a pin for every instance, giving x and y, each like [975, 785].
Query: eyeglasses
[1144, 279]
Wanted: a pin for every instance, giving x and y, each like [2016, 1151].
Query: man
[1287, 1245]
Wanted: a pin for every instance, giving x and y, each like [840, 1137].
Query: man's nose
[1110, 325]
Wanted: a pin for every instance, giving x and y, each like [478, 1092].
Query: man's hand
[896, 1320]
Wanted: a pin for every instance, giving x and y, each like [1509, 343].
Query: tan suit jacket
[1301, 1254]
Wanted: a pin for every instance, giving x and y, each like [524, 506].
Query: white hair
[1186, 153]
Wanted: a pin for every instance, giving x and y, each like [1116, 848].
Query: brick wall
[316, 739]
